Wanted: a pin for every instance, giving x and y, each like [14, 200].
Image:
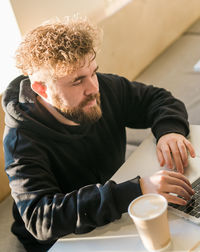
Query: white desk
[121, 235]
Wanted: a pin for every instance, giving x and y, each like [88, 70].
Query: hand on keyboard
[170, 184]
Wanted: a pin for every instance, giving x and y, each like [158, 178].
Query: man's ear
[40, 88]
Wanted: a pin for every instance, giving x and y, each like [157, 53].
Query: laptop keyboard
[193, 206]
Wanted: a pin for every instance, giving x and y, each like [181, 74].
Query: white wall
[10, 37]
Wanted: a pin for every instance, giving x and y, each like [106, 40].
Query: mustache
[89, 98]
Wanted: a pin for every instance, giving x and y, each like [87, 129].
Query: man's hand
[175, 147]
[170, 184]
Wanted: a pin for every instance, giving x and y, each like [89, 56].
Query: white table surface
[121, 235]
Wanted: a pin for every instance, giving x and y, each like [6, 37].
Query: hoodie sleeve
[47, 212]
[146, 106]
[156, 108]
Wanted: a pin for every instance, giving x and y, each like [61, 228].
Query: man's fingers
[160, 157]
[173, 185]
[179, 189]
[174, 199]
[179, 176]
[183, 152]
[189, 147]
[177, 157]
[176, 183]
[167, 155]
[180, 183]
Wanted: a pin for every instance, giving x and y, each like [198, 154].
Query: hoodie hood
[17, 95]
[22, 110]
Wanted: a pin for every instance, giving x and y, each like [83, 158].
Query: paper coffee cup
[149, 213]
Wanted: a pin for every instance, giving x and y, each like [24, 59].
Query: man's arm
[47, 211]
[149, 106]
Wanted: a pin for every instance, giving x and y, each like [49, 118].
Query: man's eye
[76, 83]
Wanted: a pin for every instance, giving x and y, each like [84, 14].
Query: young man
[65, 137]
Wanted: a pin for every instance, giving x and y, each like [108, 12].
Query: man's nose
[92, 87]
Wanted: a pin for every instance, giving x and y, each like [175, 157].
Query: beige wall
[138, 33]
[4, 188]
[133, 36]
[30, 13]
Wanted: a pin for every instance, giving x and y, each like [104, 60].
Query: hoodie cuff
[125, 192]
[166, 127]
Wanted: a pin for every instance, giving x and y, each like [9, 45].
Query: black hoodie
[59, 175]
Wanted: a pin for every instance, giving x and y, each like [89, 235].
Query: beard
[77, 114]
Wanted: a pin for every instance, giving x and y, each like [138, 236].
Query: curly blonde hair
[61, 46]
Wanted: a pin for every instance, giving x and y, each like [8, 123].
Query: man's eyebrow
[83, 76]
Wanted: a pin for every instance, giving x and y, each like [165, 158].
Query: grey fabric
[8, 241]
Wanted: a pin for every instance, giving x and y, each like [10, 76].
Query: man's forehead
[89, 65]
[80, 72]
